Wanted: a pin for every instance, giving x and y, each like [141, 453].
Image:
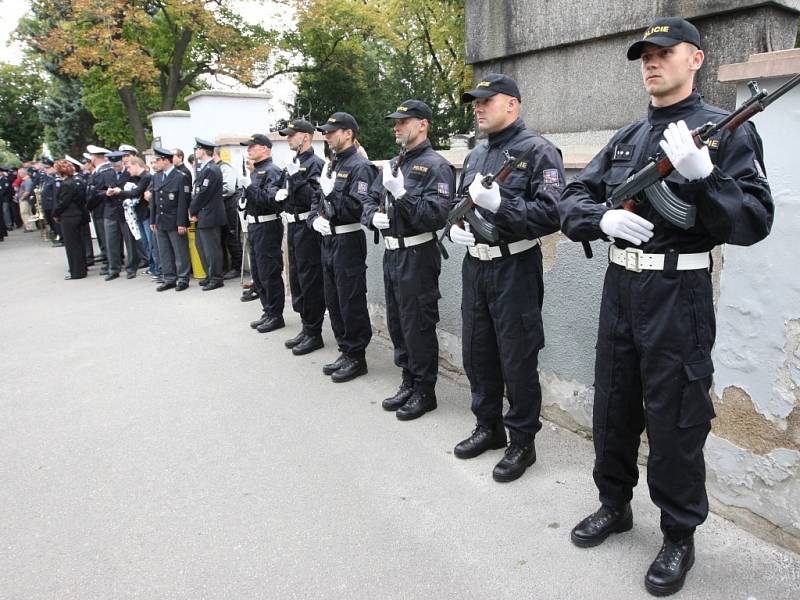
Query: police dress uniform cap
[115, 156]
[205, 144]
[297, 125]
[74, 161]
[666, 33]
[128, 148]
[339, 120]
[491, 84]
[412, 108]
[92, 149]
[163, 152]
[87, 156]
[257, 139]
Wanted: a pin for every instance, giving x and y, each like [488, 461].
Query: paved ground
[153, 446]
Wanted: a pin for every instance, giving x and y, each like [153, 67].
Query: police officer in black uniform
[169, 219]
[117, 230]
[408, 208]
[305, 260]
[336, 214]
[47, 189]
[657, 322]
[503, 281]
[265, 232]
[6, 192]
[95, 198]
[207, 210]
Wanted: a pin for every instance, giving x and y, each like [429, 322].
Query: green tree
[366, 57]
[21, 92]
[67, 124]
[149, 52]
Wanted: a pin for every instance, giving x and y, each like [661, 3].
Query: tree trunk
[170, 91]
[128, 97]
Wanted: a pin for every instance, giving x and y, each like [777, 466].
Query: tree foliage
[21, 92]
[366, 57]
[150, 52]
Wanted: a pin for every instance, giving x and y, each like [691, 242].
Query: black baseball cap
[339, 120]
[491, 84]
[666, 32]
[257, 139]
[204, 144]
[297, 125]
[163, 152]
[412, 108]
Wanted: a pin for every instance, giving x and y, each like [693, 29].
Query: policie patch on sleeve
[362, 187]
[551, 177]
[443, 189]
[623, 152]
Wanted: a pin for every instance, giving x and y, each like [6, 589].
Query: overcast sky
[267, 13]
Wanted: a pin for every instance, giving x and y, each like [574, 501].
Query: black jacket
[354, 175]
[70, 198]
[265, 181]
[734, 203]
[529, 196]
[114, 210]
[430, 187]
[97, 185]
[207, 203]
[304, 185]
[169, 206]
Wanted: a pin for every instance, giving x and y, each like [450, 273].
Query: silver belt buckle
[483, 252]
[632, 259]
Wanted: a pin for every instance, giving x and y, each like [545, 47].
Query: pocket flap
[699, 370]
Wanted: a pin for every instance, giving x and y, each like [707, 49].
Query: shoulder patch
[443, 189]
[551, 177]
[419, 169]
[362, 187]
[342, 174]
[187, 188]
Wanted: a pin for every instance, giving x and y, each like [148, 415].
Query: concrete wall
[174, 128]
[569, 56]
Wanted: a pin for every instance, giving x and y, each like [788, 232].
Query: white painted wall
[757, 333]
[174, 127]
[217, 114]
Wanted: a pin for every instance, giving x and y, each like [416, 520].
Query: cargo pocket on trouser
[428, 309]
[696, 405]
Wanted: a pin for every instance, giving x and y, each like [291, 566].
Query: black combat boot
[482, 439]
[259, 321]
[668, 571]
[350, 369]
[518, 457]
[331, 368]
[595, 528]
[421, 401]
[308, 344]
[271, 324]
[401, 396]
[292, 342]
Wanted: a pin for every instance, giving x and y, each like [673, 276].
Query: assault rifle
[386, 202]
[465, 209]
[650, 179]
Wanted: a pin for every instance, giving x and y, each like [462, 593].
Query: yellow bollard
[197, 264]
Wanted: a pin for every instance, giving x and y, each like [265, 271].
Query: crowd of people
[653, 354]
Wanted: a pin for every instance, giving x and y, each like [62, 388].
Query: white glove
[394, 185]
[292, 167]
[623, 224]
[380, 220]
[281, 195]
[325, 182]
[322, 225]
[488, 199]
[689, 160]
[462, 236]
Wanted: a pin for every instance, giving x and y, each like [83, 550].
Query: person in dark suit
[169, 219]
[117, 230]
[70, 212]
[207, 210]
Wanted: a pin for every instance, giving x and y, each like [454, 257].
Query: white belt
[393, 243]
[634, 259]
[261, 219]
[290, 218]
[487, 252]
[346, 228]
